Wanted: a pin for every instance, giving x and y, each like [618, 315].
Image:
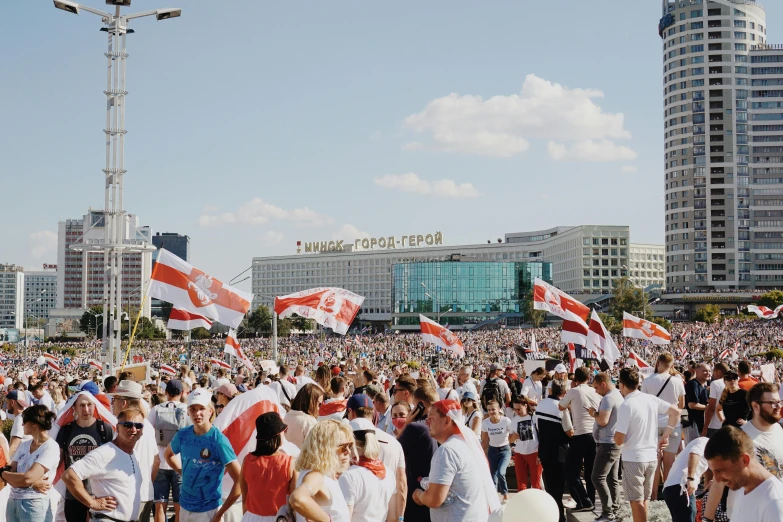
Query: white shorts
[188, 516]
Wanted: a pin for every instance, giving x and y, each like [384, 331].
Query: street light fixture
[115, 221]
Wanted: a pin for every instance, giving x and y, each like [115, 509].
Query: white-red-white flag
[219, 363]
[54, 366]
[574, 329]
[726, 353]
[684, 335]
[639, 328]
[600, 342]
[178, 282]
[233, 348]
[556, 302]
[170, 370]
[433, 333]
[50, 357]
[683, 351]
[331, 307]
[765, 313]
[180, 319]
[637, 361]
[572, 357]
[96, 365]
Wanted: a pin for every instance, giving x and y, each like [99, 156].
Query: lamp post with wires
[117, 239]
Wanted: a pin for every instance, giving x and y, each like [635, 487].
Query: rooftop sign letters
[373, 243]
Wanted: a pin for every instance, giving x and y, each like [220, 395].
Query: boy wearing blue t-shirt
[205, 453]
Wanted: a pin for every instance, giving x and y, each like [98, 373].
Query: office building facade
[177, 244]
[11, 296]
[40, 292]
[583, 259]
[723, 151]
[80, 273]
[646, 264]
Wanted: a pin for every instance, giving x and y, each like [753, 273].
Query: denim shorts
[167, 479]
[28, 510]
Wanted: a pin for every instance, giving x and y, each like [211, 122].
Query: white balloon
[41, 360]
[531, 504]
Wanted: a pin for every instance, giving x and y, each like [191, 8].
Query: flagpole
[138, 316]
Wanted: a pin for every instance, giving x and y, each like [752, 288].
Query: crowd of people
[383, 427]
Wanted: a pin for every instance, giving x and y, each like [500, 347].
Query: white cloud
[502, 125]
[43, 244]
[629, 169]
[590, 150]
[272, 238]
[411, 182]
[349, 232]
[258, 212]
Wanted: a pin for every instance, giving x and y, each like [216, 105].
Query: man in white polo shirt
[637, 419]
[712, 420]
[669, 387]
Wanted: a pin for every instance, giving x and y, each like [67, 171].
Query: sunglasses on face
[129, 425]
[345, 448]
[219, 406]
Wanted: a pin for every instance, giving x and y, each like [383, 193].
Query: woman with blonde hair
[367, 486]
[57, 397]
[322, 378]
[326, 453]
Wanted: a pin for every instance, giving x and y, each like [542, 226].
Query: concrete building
[177, 244]
[11, 296]
[646, 264]
[40, 292]
[723, 150]
[584, 259]
[80, 274]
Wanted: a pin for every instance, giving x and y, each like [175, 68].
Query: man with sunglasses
[114, 473]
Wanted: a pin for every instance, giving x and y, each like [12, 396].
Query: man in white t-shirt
[684, 477]
[730, 453]
[285, 390]
[531, 386]
[16, 402]
[712, 418]
[637, 419]
[465, 381]
[669, 388]
[113, 471]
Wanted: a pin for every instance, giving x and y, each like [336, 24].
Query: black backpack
[516, 388]
[491, 392]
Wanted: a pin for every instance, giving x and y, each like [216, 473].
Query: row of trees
[91, 323]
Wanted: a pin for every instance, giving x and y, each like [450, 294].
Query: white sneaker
[569, 503]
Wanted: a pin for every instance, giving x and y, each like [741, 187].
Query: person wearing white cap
[367, 485]
[561, 373]
[206, 454]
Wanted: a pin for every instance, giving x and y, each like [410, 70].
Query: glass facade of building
[462, 294]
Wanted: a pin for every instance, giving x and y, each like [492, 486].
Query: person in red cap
[459, 486]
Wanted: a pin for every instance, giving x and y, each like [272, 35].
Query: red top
[267, 482]
[746, 383]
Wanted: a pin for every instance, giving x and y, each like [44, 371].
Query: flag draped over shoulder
[331, 307]
[184, 286]
[639, 328]
[433, 333]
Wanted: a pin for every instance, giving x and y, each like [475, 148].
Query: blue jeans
[167, 479]
[498, 463]
[28, 510]
[678, 504]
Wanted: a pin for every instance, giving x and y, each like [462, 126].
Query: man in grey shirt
[605, 476]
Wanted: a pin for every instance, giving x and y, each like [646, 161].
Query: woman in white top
[526, 462]
[36, 458]
[326, 453]
[303, 414]
[367, 486]
[471, 412]
[495, 430]
[446, 387]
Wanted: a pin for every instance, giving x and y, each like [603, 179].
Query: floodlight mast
[120, 236]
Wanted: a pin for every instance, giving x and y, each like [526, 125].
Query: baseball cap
[174, 387]
[560, 368]
[336, 370]
[200, 396]
[359, 400]
[469, 395]
[494, 367]
[229, 390]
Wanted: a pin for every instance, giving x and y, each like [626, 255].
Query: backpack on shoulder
[491, 392]
[169, 420]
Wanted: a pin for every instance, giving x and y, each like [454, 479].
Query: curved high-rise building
[720, 150]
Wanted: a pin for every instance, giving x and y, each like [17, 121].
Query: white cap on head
[560, 368]
[200, 396]
[361, 424]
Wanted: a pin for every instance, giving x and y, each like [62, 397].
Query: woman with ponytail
[367, 486]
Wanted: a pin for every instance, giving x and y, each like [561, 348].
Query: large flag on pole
[574, 329]
[331, 307]
[233, 348]
[639, 328]
[556, 302]
[180, 319]
[600, 342]
[432, 332]
[185, 286]
[765, 313]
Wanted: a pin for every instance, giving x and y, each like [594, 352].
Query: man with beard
[758, 494]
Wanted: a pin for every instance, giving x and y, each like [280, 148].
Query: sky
[253, 125]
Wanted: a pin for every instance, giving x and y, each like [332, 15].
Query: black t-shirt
[735, 407]
[418, 447]
[695, 392]
[81, 441]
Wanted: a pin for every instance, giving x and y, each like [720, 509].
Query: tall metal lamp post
[117, 237]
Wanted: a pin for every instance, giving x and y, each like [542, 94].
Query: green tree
[629, 298]
[709, 314]
[200, 333]
[284, 327]
[771, 299]
[260, 320]
[91, 322]
[660, 321]
[300, 323]
[614, 326]
[533, 316]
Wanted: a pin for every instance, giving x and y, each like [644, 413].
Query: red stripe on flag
[241, 429]
[166, 274]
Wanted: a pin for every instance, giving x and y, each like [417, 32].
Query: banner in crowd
[765, 313]
[331, 307]
[180, 319]
[184, 286]
[433, 333]
[639, 328]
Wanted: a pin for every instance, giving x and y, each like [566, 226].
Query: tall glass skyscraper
[723, 121]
